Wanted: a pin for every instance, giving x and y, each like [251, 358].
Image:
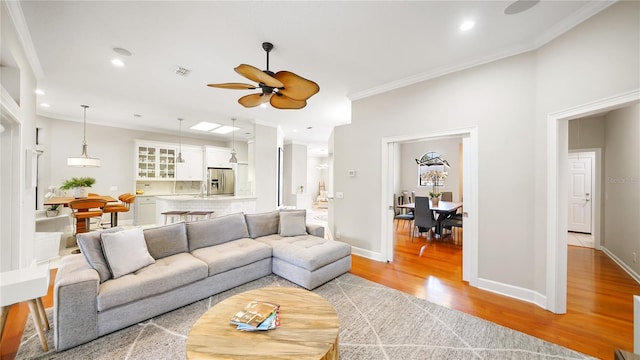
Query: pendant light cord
[84, 122]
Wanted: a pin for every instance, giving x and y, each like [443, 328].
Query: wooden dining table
[444, 209]
[65, 200]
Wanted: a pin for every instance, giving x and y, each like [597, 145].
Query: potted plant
[80, 186]
[435, 177]
[52, 210]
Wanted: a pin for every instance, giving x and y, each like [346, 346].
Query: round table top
[308, 329]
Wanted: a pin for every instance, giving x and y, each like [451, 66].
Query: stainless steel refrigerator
[221, 181]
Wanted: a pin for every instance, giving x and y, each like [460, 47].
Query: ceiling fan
[283, 90]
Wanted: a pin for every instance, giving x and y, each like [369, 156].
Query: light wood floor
[599, 315]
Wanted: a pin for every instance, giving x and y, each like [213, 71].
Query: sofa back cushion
[216, 231]
[91, 248]
[263, 224]
[163, 241]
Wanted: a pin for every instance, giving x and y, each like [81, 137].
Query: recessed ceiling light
[204, 126]
[121, 51]
[520, 6]
[224, 129]
[39, 92]
[117, 62]
[45, 105]
[467, 25]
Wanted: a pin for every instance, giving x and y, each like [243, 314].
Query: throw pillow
[126, 251]
[293, 222]
[91, 248]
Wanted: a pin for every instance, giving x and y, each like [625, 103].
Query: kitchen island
[219, 204]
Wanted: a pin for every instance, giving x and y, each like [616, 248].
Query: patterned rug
[376, 322]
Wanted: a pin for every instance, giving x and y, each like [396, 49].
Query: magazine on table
[257, 315]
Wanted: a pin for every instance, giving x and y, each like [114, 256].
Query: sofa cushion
[310, 252]
[232, 254]
[164, 275]
[216, 231]
[91, 248]
[163, 241]
[293, 222]
[125, 251]
[262, 224]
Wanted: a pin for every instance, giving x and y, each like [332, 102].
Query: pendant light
[179, 159]
[84, 160]
[233, 158]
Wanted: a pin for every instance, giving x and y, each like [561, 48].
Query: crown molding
[582, 14]
[22, 30]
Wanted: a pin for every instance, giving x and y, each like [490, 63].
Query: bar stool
[172, 215]
[199, 215]
[126, 200]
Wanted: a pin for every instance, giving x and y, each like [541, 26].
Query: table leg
[33, 309]
[43, 314]
[4, 312]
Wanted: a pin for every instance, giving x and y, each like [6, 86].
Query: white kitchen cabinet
[218, 157]
[192, 169]
[155, 162]
[145, 213]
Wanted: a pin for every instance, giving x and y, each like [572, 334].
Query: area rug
[376, 322]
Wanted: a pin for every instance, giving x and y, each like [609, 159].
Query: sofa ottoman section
[310, 261]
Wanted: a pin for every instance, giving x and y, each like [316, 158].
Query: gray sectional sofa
[124, 276]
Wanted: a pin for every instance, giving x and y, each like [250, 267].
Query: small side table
[28, 284]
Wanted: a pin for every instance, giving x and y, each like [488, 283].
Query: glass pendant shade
[83, 160]
[233, 158]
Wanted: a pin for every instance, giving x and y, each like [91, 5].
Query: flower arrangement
[436, 178]
[52, 210]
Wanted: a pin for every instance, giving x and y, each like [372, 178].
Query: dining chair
[398, 214]
[454, 224]
[84, 210]
[446, 196]
[424, 220]
[124, 205]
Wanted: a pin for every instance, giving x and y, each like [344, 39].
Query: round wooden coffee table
[308, 329]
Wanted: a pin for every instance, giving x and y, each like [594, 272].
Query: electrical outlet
[113, 188]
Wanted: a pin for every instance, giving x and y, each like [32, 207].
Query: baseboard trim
[515, 292]
[368, 254]
[620, 263]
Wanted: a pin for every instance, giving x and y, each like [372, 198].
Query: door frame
[557, 191]
[596, 194]
[388, 167]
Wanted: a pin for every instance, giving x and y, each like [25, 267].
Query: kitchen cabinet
[218, 157]
[145, 210]
[155, 162]
[192, 169]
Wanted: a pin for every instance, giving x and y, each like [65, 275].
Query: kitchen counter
[219, 204]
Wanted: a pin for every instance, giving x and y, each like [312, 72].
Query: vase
[80, 192]
[435, 201]
[52, 213]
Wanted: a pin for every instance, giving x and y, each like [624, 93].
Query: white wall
[622, 185]
[265, 147]
[508, 101]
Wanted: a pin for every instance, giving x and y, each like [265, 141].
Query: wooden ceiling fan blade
[257, 75]
[280, 101]
[234, 86]
[253, 100]
[295, 86]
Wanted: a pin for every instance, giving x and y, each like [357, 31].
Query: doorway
[390, 167]
[583, 198]
[557, 192]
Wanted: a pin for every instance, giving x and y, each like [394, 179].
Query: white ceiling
[351, 49]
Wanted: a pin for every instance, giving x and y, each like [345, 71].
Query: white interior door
[580, 192]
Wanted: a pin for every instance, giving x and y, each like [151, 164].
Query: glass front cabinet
[156, 162]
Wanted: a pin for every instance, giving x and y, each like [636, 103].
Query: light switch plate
[339, 195]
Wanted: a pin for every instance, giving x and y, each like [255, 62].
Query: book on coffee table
[256, 315]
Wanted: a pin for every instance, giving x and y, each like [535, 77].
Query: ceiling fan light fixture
[83, 160]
